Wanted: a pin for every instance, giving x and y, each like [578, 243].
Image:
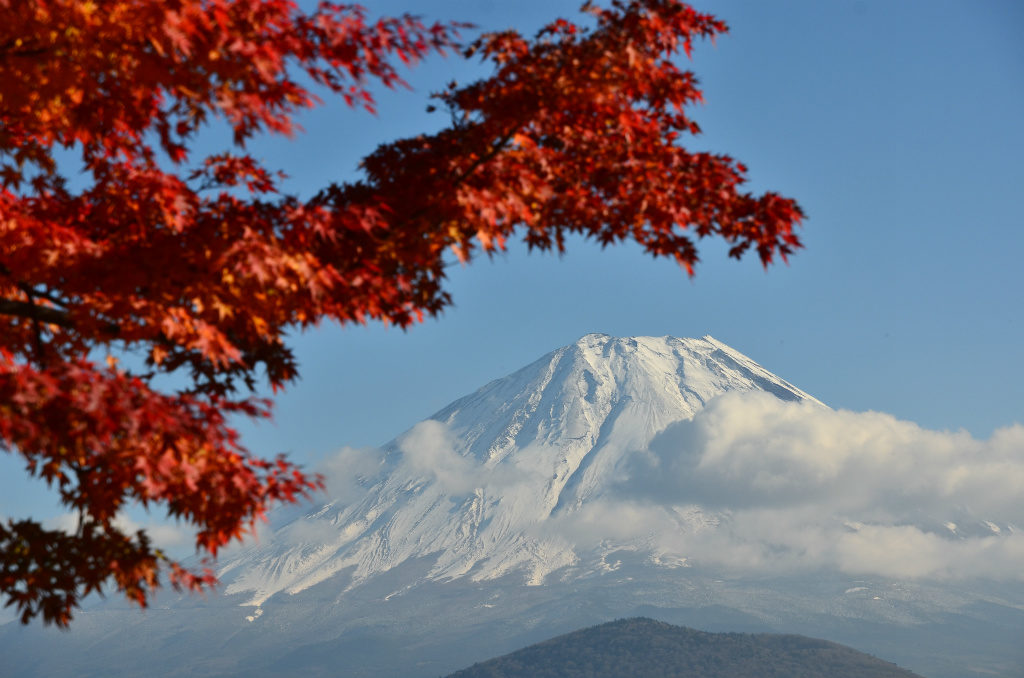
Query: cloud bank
[753, 484]
[800, 486]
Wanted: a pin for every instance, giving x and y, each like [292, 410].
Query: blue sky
[897, 125]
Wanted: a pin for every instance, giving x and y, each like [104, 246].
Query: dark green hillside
[644, 648]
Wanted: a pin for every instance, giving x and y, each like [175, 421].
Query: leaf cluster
[158, 255]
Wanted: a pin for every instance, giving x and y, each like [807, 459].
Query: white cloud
[349, 472]
[751, 484]
[792, 486]
[906, 551]
[429, 449]
[801, 486]
[609, 521]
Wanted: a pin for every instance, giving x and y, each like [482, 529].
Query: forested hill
[644, 648]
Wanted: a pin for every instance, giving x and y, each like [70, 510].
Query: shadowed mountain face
[645, 648]
[614, 477]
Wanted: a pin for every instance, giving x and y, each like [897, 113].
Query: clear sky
[897, 126]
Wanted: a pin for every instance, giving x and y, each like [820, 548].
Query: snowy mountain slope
[473, 486]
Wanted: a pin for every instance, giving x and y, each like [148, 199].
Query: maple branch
[24, 52]
[36, 313]
[30, 291]
[43, 294]
[496, 148]
[17, 47]
[25, 309]
[36, 331]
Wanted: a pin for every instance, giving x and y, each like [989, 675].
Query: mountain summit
[481, 486]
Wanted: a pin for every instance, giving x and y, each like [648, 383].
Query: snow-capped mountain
[473, 488]
[614, 477]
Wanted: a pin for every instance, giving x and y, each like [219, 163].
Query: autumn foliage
[200, 265]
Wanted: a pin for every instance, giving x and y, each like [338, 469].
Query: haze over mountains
[673, 478]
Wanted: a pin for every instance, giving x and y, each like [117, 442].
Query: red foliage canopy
[202, 264]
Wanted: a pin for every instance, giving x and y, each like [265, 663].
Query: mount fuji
[589, 485]
[472, 488]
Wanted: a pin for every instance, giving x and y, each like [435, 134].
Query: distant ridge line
[639, 647]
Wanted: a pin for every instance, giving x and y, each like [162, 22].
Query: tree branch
[496, 148]
[24, 309]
